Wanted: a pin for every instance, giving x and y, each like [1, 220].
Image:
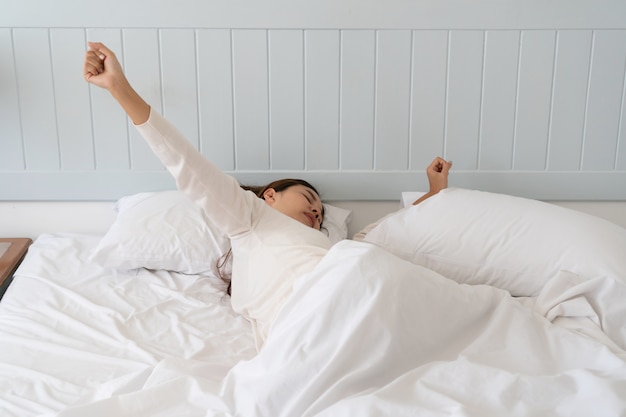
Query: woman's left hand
[437, 173]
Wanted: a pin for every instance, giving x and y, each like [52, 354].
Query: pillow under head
[166, 230]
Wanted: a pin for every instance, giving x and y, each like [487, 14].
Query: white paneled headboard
[526, 97]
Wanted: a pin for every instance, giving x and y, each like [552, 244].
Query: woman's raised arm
[218, 194]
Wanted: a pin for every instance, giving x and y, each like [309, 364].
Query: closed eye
[308, 194]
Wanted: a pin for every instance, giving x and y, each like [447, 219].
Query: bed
[468, 304]
[473, 303]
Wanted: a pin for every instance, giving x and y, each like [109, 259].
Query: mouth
[311, 219]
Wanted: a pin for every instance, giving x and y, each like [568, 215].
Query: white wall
[320, 14]
[526, 97]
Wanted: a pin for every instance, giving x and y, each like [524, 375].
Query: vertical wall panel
[321, 99]
[215, 89]
[142, 66]
[464, 95]
[606, 88]
[251, 99]
[358, 67]
[498, 102]
[110, 129]
[534, 98]
[36, 99]
[620, 157]
[286, 99]
[332, 100]
[180, 94]
[11, 146]
[72, 99]
[571, 77]
[430, 62]
[393, 87]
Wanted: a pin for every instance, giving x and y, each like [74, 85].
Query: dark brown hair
[278, 186]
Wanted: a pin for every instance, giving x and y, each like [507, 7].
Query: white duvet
[368, 334]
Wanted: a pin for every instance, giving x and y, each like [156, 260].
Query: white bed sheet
[365, 334]
[71, 330]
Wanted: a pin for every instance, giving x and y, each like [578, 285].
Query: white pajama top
[270, 249]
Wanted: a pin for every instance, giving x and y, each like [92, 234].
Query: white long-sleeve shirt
[270, 249]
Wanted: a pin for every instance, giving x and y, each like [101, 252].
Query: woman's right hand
[101, 67]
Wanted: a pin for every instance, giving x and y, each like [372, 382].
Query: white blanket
[368, 334]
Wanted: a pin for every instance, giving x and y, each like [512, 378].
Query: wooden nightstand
[12, 251]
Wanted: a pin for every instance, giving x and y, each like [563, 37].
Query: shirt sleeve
[219, 195]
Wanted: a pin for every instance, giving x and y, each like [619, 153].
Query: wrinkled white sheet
[367, 334]
[71, 331]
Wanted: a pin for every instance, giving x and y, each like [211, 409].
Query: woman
[275, 238]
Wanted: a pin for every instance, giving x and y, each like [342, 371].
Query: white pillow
[512, 243]
[409, 197]
[336, 220]
[161, 230]
[166, 230]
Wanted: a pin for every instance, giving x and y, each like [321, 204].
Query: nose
[316, 213]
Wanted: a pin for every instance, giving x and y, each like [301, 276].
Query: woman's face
[298, 202]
